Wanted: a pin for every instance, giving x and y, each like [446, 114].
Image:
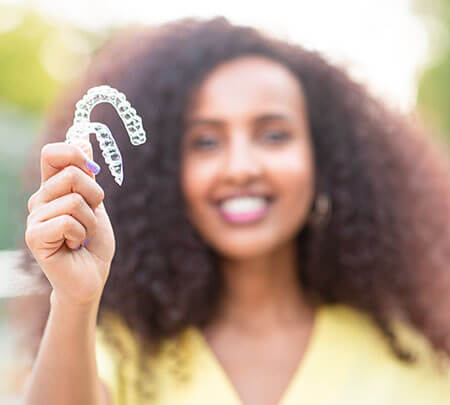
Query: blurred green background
[39, 54]
[434, 85]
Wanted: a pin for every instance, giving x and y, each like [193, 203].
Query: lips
[244, 208]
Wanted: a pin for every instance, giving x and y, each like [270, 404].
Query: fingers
[69, 180]
[56, 156]
[63, 207]
[69, 204]
[54, 231]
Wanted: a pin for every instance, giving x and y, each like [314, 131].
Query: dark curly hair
[386, 247]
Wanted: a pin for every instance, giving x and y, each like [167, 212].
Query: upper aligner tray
[82, 127]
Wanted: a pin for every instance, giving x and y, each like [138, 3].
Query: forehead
[248, 85]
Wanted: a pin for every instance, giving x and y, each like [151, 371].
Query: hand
[65, 211]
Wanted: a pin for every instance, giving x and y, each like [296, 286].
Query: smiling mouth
[244, 209]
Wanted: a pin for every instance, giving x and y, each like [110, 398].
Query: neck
[264, 292]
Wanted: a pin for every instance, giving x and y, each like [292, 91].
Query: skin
[265, 320]
[66, 210]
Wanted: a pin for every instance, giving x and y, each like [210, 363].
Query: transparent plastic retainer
[79, 132]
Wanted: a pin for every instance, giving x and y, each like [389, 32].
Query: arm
[65, 211]
[65, 370]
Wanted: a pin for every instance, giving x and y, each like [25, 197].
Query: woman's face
[248, 169]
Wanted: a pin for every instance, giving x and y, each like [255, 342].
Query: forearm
[65, 370]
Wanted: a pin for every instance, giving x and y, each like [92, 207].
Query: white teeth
[241, 205]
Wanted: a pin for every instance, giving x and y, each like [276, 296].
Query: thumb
[86, 147]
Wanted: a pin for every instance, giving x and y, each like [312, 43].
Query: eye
[276, 136]
[203, 142]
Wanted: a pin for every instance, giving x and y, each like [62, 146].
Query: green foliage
[26, 91]
[23, 80]
[15, 130]
[434, 94]
[434, 85]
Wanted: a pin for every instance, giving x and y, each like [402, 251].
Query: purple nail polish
[78, 247]
[92, 166]
[86, 242]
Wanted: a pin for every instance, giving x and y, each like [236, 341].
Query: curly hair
[386, 247]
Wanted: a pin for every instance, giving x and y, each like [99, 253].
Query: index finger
[56, 156]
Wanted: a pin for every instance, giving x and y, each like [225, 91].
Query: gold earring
[321, 211]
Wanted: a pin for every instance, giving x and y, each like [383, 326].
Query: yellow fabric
[347, 361]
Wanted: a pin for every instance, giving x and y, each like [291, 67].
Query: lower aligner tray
[82, 127]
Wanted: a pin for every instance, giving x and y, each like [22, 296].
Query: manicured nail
[86, 242]
[78, 247]
[92, 166]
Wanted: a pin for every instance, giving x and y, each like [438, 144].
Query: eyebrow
[260, 119]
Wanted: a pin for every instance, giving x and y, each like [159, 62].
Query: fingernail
[86, 242]
[92, 166]
[78, 247]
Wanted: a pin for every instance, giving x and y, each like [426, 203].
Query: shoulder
[362, 349]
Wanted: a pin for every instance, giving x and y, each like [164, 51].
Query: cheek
[295, 171]
[197, 178]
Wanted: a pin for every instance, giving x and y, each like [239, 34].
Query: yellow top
[347, 361]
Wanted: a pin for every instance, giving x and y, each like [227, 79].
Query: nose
[242, 163]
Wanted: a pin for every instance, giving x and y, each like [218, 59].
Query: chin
[242, 250]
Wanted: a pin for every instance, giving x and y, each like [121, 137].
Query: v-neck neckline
[301, 368]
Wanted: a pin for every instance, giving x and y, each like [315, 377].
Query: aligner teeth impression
[82, 127]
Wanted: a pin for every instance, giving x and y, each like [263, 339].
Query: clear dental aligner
[82, 127]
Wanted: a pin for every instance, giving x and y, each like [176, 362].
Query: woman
[281, 238]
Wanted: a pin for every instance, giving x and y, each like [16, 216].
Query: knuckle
[29, 220]
[66, 222]
[71, 174]
[31, 202]
[77, 201]
[46, 151]
[33, 199]
[45, 190]
[31, 237]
